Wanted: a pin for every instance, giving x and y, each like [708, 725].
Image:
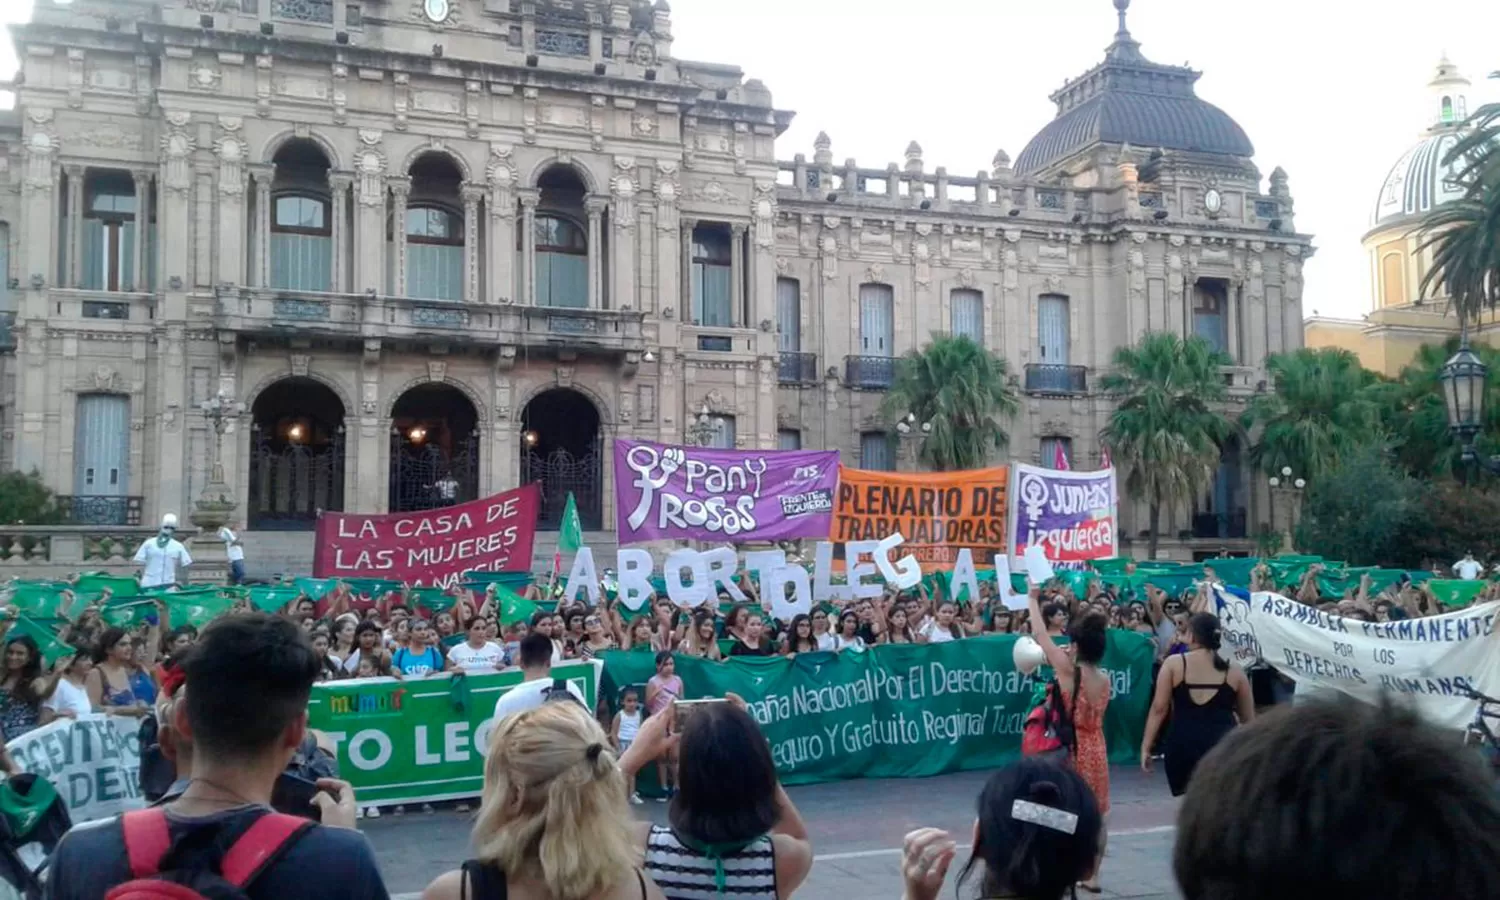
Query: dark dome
[1127, 99]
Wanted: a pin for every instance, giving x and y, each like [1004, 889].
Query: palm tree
[1166, 431]
[1464, 235]
[963, 391]
[1416, 416]
[1321, 407]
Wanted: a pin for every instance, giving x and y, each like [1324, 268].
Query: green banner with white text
[420, 739]
[901, 710]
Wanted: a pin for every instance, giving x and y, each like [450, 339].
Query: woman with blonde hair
[553, 821]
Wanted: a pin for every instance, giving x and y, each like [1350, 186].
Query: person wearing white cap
[160, 556]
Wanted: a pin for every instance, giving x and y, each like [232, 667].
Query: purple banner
[1071, 514]
[664, 491]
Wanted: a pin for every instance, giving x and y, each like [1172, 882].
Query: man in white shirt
[234, 551]
[536, 672]
[161, 556]
[476, 652]
[1468, 568]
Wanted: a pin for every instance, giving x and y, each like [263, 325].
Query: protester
[622, 732]
[1035, 837]
[1338, 800]
[21, 688]
[160, 557]
[536, 675]
[700, 640]
[752, 641]
[476, 652]
[367, 649]
[553, 822]
[1206, 697]
[848, 637]
[942, 627]
[799, 637]
[1085, 689]
[1468, 568]
[234, 551]
[67, 698]
[594, 640]
[109, 684]
[742, 830]
[243, 662]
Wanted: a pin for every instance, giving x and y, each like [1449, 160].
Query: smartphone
[293, 795]
[683, 709]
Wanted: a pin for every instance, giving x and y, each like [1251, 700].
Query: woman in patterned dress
[1085, 689]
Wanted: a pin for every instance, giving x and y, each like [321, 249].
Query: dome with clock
[1423, 178]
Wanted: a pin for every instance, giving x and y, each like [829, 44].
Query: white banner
[1428, 660]
[95, 763]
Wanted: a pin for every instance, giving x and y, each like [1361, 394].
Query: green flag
[570, 533]
[513, 607]
[47, 641]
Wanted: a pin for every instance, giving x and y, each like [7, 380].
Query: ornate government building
[419, 251]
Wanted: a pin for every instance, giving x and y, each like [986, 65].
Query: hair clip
[594, 751]
[1045, 816]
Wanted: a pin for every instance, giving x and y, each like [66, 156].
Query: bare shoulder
[794, 859]
[447, 886]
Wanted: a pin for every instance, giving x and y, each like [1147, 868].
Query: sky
[1333, 91]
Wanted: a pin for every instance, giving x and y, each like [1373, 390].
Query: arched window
[434, 253]
[562, 263]
[301, 242]
[1447, 110]
[109, 233]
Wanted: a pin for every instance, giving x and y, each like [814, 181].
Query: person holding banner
[1086, 690]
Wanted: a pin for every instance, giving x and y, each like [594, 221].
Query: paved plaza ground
[856, 827]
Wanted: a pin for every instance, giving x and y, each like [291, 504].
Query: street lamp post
[1294, 487]
[215, 504]
[700, 433]
[1463, 379]
[907, 427]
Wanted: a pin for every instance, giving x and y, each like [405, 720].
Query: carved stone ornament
[643, 50]
[177, 144]
[875, 273]
[966, 278]
[783, 265]
[643, 124]
[715, 402]
[369, 170]
[204, 77]
[501, 170]
[786, 419]
[419, 10]
[437, 370]
[1053, 283]
[300, 363]
[105, 380]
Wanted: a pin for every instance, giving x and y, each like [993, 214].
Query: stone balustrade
[61, 551]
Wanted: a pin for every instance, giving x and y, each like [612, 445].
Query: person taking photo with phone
[220, 833]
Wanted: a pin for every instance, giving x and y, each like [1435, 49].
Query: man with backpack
[244, 712]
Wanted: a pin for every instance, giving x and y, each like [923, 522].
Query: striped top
[684, 874]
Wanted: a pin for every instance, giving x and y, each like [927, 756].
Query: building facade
[439, 248]
[1404, 316]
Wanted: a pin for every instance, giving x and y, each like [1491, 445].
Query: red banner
[433, 547]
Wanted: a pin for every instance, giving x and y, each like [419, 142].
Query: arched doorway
[562, 451]
[434, 449]
[296, 455]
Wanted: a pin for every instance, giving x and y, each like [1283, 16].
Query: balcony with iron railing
[871, 373]
[1220, 526]
[372, 316]
[1056, 380]
[99, 509]
[796, 368]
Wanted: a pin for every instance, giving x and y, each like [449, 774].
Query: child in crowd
[623, 730]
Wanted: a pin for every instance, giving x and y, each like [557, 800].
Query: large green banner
[898, 711]
[422, 738]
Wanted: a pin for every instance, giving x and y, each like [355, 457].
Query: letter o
[356, 749]
[695, 513]
[482, 736]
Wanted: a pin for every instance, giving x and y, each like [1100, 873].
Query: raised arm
[1057, 657]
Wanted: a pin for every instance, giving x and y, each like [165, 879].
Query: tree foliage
[1167, 431]
[1361, 510]
[963, 390]
[1322, 406]
[1463, 236]
[1416, 416]
[1453, 519]
[25, 500]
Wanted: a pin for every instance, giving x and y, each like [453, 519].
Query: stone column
[400, 190]
[36, 267]
[74, 240]
[369, 271]
[595, 209]
[472, 193]
[685, 268]
[230, 229]
[142, 229]
[366, 436]
[501, 206]
[623, 221]
[1234, 299]
[529, 200]
[339, 184]
[260, 274]
[737, 313]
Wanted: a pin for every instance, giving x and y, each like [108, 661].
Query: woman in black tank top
[1202, 710]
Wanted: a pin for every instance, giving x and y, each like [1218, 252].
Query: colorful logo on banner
[1072, 515]
[667, 492]
[434, 547]
[939, 513]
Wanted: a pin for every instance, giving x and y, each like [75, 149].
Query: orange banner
[939, 513]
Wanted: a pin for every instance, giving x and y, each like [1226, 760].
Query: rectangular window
[102, 445]
[712, 275]
[966, 314]
[876, 320]
[788, 315]
[1053, 330]
[788, 439]
[1057, 452]
[7, 299]
[723, 437]
[876, 452]
[1210, 312]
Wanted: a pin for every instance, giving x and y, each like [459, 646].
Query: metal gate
[560, 472]
[290, 482]
[426, 476]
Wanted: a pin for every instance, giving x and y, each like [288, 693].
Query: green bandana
[716, 852]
